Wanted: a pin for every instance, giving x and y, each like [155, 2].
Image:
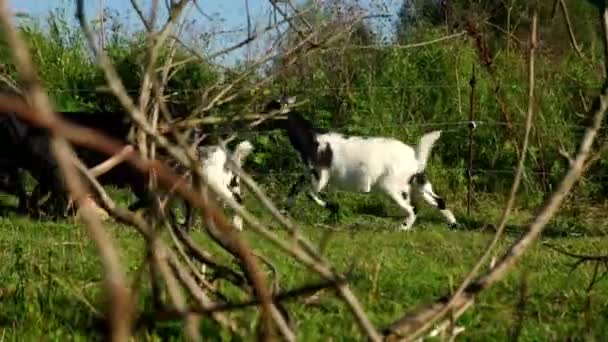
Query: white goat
[215, 167]
[364, 164]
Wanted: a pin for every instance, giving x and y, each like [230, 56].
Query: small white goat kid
[364, 164]
[216, 168]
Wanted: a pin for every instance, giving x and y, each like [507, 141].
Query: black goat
[27, 147]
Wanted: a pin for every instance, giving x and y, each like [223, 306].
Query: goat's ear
[272, 105]
[286, 101]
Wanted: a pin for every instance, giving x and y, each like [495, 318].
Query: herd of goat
[351, 163]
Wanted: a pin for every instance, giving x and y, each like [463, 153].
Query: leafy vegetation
[389, 91]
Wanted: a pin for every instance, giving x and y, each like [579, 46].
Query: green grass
[51, 278]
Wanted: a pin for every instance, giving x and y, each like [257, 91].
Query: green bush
[392, 91]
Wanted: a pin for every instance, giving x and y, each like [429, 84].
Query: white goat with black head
[215, 165]
[362, 164]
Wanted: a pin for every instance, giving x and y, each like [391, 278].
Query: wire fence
[540, 176]
[465, 129]
[459, 126]
[319, 88]
[456, 170]
[453, 126]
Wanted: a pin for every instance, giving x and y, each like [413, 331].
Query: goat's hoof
[334, 219]
[237, 222]
[405, 228]
[453, 225]
[333, 207]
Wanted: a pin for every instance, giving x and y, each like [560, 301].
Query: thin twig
[158, 250]
[578, 50]
[401, 47]
[175, 291]
[518, 173]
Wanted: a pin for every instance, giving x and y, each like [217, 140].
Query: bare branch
[596, 260]
[578, 50]
[175, 292]
[401, 47]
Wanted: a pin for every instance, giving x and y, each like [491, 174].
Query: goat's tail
[242, 151]
[423, 150]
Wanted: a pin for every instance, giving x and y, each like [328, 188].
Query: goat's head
[242, 150]
[280, 103]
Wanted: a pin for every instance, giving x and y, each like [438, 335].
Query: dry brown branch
[207, 259]
[92, 139]
[201, 297]
[299, 13]
[596, 260]
[111, 162]
[167, 178]
[249, 39]
[175, 293]
[115, 281]
[290, 21]
[329, 36]
[158, 104]
[302, 250]
[189, 262]
[140, 13]
[159, 254]
[155, 42]
[409, 324]
[226, 233]
[509, 34]
[395, 46]
[516, 181]
[278, 297]
[564, 153]
[277, 316]
[255, 118]
[253, 274]
[205, 59]
[571, 35]
[583, 257]
[11, 84]
[102, 168]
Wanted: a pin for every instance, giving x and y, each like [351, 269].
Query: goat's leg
[403, 199]
[426, 190]
[235, 191]
[320, 180]
[17, 186]
[139, 187]
[56, 203]
[295, 190]
[34, 199]
[333, 207]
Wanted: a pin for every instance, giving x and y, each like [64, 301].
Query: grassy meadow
[52, 286]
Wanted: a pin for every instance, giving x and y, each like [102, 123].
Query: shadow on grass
[377, 214]
[553, 230]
